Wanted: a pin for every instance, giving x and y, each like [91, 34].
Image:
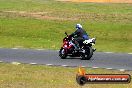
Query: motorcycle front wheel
[62, 53]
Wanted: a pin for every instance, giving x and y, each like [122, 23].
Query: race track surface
[47, 57]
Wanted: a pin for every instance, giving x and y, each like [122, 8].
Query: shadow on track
[78, 58]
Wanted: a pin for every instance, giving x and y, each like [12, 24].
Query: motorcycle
[68, 48]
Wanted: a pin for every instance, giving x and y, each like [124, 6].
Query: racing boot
[82, 51]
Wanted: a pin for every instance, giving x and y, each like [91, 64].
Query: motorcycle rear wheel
[88, 54]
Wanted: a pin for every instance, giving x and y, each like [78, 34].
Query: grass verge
[40, 76]
[42, 23]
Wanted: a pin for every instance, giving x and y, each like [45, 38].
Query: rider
[80, 34]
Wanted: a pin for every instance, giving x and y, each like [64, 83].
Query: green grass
[110, 23]
[40, 76]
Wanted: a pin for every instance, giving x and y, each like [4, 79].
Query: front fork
[65, 47]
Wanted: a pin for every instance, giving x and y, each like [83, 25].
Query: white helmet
[78, 26]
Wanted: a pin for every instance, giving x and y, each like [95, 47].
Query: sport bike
[69, 49]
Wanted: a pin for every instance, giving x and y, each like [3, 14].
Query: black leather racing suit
[80, 36]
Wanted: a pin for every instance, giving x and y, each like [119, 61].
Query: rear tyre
[88, 54]
[62, 53]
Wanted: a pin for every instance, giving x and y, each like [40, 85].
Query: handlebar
[66, 34]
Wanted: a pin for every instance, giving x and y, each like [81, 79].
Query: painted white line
[49, 64]
[33, 63]
[39, 49]
[121, 69]
[129, 53]
[95, 67]
[15, 63]
[108, 52]
[109, 68]
[83, 66]
[1, 61]
[64, 65]
[14, 48]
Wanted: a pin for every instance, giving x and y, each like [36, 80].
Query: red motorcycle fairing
[67, 45]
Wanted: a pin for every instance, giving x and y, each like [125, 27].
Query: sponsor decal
[83, 78]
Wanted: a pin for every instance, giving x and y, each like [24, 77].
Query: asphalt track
[50, 57]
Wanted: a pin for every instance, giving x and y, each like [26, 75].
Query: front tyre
[62, 53]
